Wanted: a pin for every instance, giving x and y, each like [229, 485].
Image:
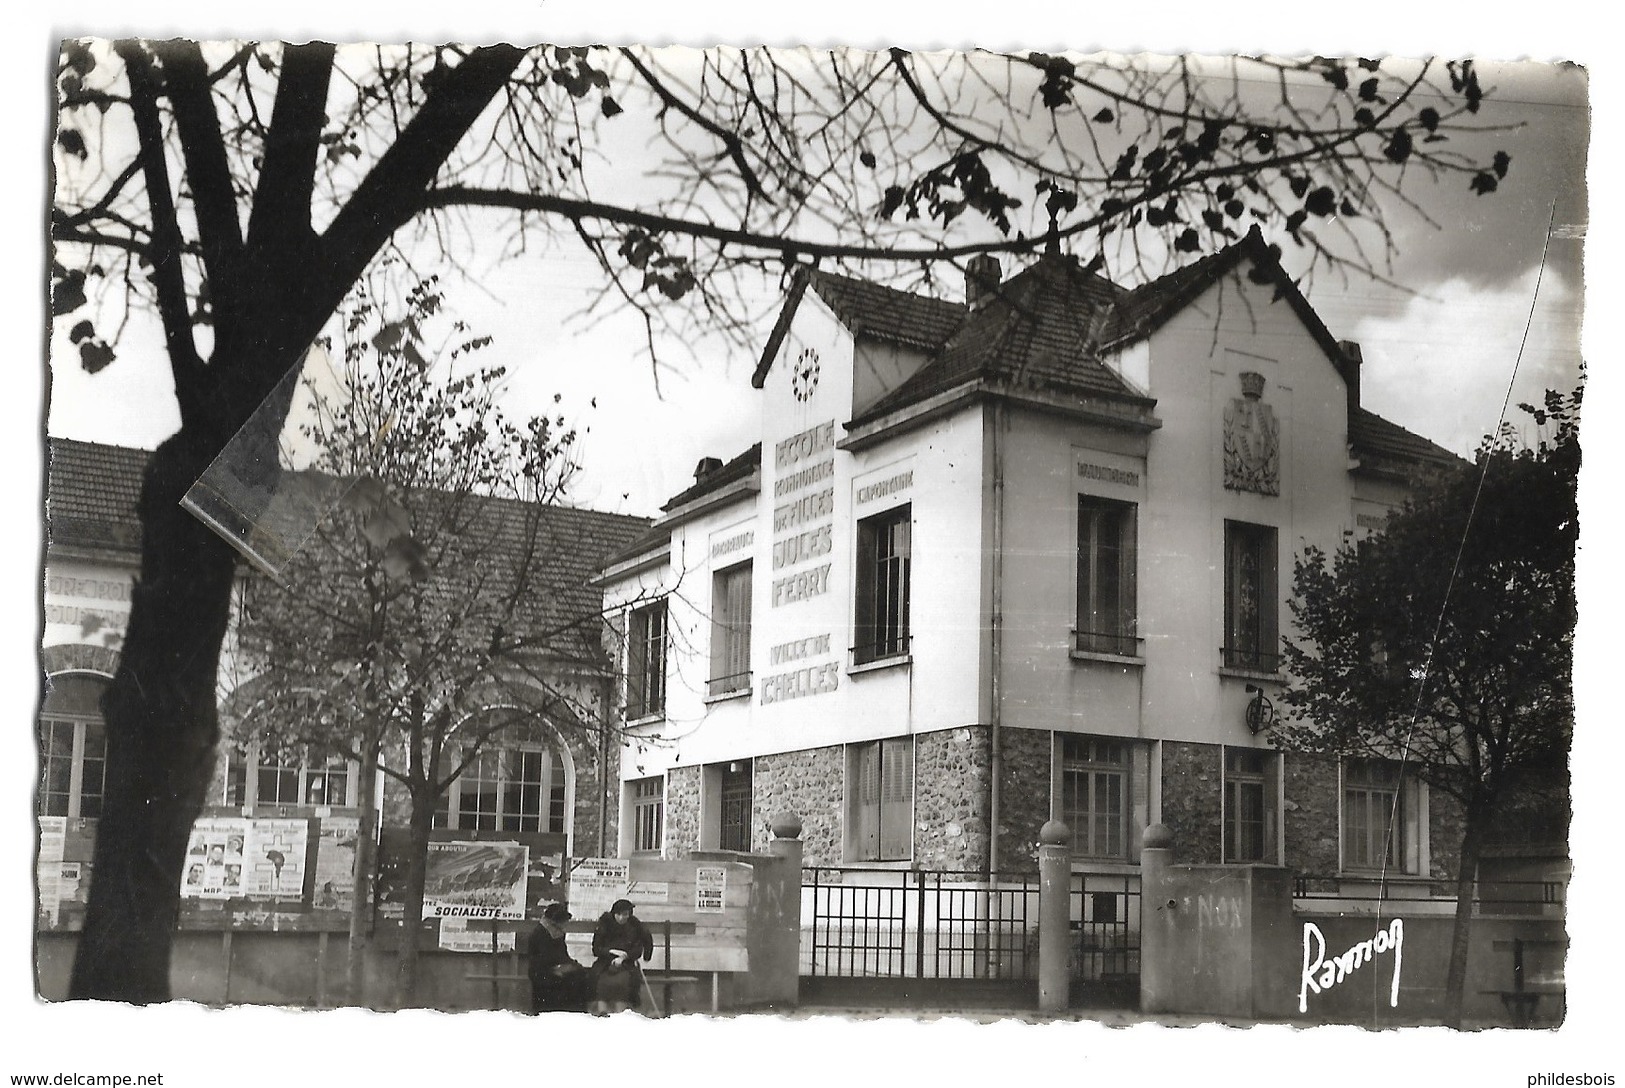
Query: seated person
[619, 943]
[557, 982]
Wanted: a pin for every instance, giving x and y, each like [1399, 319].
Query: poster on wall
[710, 889]
[475, 880]
[335, 863]
[460, 935]
[216, 855]
[275, 859]
[595, 883]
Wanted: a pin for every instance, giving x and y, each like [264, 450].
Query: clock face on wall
[804, 379]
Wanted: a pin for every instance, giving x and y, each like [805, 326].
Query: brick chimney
[982, 277]
[1350, 369]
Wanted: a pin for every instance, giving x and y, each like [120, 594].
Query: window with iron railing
[1251, 607]
[885, 555]
[1106, 580]
[730, 631]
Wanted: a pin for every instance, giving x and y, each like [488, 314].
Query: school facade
[1019, 559]
[545, 786]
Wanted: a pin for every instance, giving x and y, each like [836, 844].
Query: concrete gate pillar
[1054, 915]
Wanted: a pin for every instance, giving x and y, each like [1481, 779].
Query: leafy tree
[1447, 639]
[240, 190]
[421, 625]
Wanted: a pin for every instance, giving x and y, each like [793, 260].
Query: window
[1095, 795]
[884, 555]
[1251, 604]
[73, 747]
[1105, 577]
[883, 776]
[1379, 816]
[507, 789]
[735, 809]
[646, 662]
[259, 773]
[648, 807]
[730, 631]
[1250, 819]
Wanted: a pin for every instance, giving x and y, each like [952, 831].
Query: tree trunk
[366, 861]
[1455, 983]
[162, 724]
[417, 862]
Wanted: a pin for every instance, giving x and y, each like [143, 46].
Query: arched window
[73, 746]
[516, 788]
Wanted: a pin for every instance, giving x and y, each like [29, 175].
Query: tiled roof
[1041, 328]
[739, 468]
[91, 498]
[91, 493]
[886, 313]
[1372, 436]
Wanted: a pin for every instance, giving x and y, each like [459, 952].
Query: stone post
[1158, 918]
[786, 843]
[1054, 915]
[774, 979]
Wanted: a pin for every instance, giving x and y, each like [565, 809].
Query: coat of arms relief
[1252, 440]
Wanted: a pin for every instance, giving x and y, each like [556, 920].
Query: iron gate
[944, 936]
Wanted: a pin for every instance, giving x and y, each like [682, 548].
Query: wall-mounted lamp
[1260, 711]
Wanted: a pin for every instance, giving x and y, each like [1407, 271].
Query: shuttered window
[884, 800]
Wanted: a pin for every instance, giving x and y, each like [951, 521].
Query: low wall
[1364, 996]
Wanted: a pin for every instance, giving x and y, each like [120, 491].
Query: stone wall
[812, 784]
[1310, 813]
[682, 811]
[1024, 796]
[1192, 795]
[951, 782]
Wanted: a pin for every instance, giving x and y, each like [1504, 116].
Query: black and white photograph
[953, 544]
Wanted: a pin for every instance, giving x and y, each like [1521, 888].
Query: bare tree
[239, 190]
[423, 624]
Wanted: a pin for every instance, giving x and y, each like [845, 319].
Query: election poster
[275, 859]
[216, 854]
[710, 889]
[475, 880]
[595, 883]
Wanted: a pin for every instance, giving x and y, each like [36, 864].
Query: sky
[1437, 362]
[1440, 349]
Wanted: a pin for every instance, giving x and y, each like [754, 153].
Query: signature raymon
[1320, 973]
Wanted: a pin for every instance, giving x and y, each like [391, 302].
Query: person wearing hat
[619, 945]
[557, 982]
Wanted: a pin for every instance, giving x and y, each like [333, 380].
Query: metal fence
[1353, 894]
[947, 925]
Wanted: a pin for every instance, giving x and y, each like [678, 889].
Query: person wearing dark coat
[557, 982]
[620, 944]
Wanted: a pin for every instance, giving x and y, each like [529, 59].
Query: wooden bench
[1522, 1000]
[673, 963]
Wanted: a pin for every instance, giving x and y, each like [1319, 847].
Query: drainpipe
[607, 688]
[996, 638]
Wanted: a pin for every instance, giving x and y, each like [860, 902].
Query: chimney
[1350, 369]
[982, 276]
[706, 466]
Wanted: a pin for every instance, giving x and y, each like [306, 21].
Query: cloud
[1442, 365]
